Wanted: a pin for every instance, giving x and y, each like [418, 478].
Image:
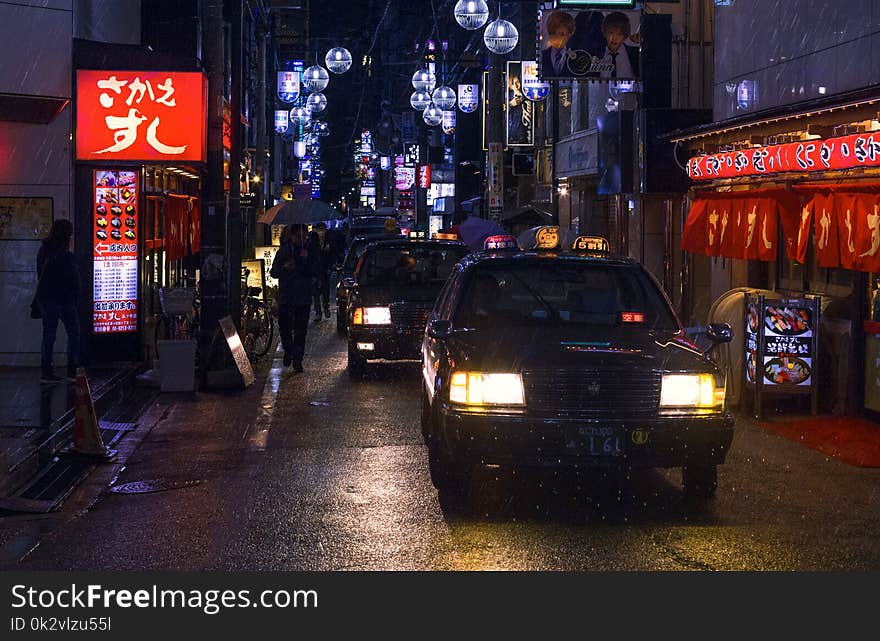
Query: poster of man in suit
[597, 45]
[520, 111]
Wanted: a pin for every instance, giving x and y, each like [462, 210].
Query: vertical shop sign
[782, 344]
[495, 180]
[115, 251]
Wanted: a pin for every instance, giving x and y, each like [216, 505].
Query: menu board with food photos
[115, 257]
[781, 345]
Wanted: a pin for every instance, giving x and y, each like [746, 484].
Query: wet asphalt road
[316, 472]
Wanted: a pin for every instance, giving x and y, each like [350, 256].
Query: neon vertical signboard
[115, 239]
[141, 115]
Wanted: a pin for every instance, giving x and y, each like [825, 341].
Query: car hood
[386, 294]
[518, 349]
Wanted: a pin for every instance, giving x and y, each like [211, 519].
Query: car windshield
[414, 265]
[566, 292]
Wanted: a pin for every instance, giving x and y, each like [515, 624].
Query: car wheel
[427, 428]
[699, 481]
[357, 364]
[451, 479]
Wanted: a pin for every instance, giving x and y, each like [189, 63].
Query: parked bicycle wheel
[259, 329]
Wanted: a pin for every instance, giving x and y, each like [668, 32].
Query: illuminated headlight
[477, 388]
[371, 316]
[690, 390]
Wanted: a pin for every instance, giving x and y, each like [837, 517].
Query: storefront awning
[740, 224]
[844, 221]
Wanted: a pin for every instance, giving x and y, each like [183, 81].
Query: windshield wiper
[552, 310]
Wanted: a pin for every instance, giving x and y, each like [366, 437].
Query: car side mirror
[440, 329]
[719, 333]
[349, 283]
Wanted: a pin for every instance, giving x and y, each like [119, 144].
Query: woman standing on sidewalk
[57, 293]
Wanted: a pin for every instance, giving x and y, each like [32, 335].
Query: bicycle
[257, 324]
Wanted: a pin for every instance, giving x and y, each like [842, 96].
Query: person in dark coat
[57, 294]
[293, 267]
[322, 251]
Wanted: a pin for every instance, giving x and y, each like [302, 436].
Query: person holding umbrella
[294, 268]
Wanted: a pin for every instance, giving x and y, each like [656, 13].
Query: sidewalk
[36, 419]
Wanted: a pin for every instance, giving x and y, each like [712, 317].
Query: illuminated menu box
[115, 256]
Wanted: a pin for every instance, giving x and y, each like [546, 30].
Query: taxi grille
[592, 393]
[410, 316]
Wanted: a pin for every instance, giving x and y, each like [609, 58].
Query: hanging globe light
[316, 78]
[338, 60]
[433, 115]
[500, 36]
[300, 115]
[420, 100]
[424, 80]
[317, 102]
[322, 129]
[444, 97]
[471, 14]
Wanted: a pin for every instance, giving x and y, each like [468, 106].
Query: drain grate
[57, 480]
[152, 485]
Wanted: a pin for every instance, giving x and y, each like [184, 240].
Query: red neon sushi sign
[141, 116]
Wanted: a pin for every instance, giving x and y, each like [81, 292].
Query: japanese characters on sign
[267, 255]
[282, 121]
[141, 115]
[857, 150]
[787, 354]
[288, 86]
[781, 345]
[115, 256]
[424, 176]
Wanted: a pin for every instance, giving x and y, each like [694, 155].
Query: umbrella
[474, 230]
[293, 212]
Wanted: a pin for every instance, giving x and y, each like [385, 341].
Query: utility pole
[261, 117]
[495, 97]
[234, 236]
[213, 282]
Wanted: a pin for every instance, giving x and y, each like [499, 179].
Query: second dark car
[394, 288]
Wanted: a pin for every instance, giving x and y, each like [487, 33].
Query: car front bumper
[388, 342]
[521, 440]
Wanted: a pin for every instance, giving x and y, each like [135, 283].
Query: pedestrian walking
[58, 288]
[322, 251]
[293, 267]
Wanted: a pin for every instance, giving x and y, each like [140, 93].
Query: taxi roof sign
[500, 241]
[591, 244]
[440, 235]
[542, 238]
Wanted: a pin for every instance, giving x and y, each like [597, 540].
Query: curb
[29, 460]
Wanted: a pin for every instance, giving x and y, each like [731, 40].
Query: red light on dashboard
[632, 317]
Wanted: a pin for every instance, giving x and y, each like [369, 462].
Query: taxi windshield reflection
[593, 295]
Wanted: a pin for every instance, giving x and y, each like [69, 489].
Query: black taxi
[552, 356]
[346, 274]
[391, 295]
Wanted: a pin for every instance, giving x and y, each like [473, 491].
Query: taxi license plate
[595, 441]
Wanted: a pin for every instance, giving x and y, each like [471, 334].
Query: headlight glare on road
[371, 316]
[690, 390]
[479, 388]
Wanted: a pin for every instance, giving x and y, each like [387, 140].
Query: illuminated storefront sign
[532, 87]
[282, 121]
[288, 86]
[115, 251]
[468, 98]
[404, 178]
[424, 176]
[857, 150]
[141, 115]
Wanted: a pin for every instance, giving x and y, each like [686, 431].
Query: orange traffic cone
[87, 439]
